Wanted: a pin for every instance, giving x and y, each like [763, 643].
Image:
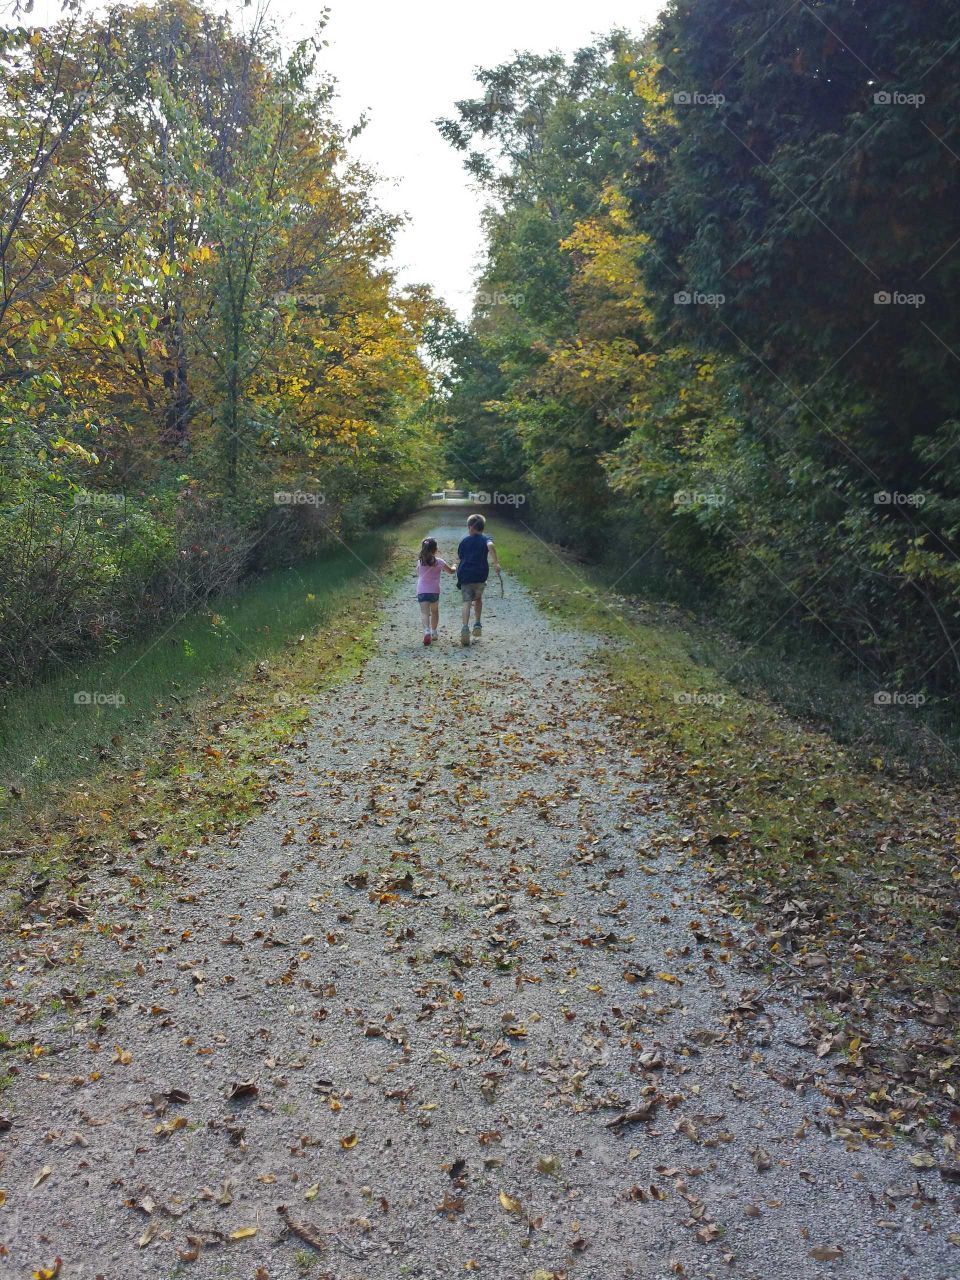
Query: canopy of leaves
[681, 347]
[195, 317]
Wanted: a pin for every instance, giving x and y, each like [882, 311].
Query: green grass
[806, 681]
[46, 738]
[191, 762]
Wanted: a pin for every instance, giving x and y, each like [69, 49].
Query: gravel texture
[489, 1018]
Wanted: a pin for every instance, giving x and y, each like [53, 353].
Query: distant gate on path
[451, 498]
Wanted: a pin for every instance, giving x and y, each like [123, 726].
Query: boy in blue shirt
[474, 556]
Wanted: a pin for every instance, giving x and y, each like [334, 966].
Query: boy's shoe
[465, 636]
[477, 629]
[426, 637]
[433, 635]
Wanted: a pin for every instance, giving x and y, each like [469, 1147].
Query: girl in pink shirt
[429, 568]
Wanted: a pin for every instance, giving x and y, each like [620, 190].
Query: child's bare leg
[465, 613]
[478, 608]
[425, 614]
[435, 615]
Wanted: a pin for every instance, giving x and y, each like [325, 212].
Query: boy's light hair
[476, 522]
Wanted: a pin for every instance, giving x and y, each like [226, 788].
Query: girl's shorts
[428, 597]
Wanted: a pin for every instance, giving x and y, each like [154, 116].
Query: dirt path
[490, 1021]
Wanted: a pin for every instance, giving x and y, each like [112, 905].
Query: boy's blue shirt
[473, 554]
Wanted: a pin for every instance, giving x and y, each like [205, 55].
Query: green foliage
[786, 451]
[205, 369]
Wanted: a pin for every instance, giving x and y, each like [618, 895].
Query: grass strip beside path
[200, 764]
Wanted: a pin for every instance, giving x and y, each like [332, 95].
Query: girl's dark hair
[428, 551]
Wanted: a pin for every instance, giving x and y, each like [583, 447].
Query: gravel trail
[478, 1011]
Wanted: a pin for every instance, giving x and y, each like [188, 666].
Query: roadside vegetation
[194, 751]
[849, 869]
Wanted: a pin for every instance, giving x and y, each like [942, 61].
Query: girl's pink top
[428, 577]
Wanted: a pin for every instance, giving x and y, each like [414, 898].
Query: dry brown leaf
[826, 1253]
[242, 1089]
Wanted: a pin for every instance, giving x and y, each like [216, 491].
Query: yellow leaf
[48, 1273]
[667, 977]
[508, 1203]
[243, 1233]
[171, 1126]
[349, 1142]
[311, 1193]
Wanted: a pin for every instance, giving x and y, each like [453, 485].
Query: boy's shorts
[428, 597]
[470, 591]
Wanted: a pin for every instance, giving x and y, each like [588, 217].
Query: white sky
[406, 64]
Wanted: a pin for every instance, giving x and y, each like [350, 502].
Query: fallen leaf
[451, 1205]
[308, 1234]
[242, 1233]
[349, 1142]
[637, 1115]
[171, 1126]
[194, 1249]
[508, 1203]
[149, 1232]
[243, 1089]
